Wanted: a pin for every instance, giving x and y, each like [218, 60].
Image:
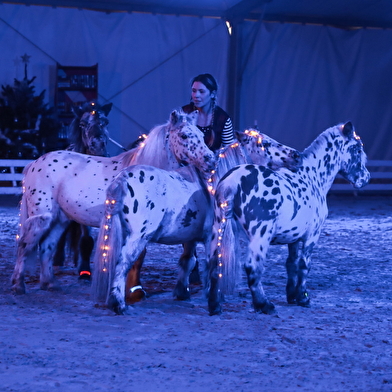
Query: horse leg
[59, 256]
[86, 247]
[215, 297]
[254, 269]
[186, 263]
[292, 272]
[297, 267]
[32, 231]
[194, 277]
[130, 251]
[133, 287]
[46, 250]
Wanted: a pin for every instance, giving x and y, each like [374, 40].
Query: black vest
[212, 139]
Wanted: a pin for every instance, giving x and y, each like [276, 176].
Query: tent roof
[339, 13]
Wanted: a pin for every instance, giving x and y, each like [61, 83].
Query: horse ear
[239, 135]
[193, 117]
[348, 129]
[174, 117]
[77, 111]
[106, 108]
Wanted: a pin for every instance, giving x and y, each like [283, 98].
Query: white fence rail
[380, 171]
[11, 175]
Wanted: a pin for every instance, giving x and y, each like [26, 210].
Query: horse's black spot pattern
[188, 217]
[131, 191]
[135, 206]
[126, 209]
[150, 204]
[141, 176]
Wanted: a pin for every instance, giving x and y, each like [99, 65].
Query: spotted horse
[64, 186]
[279, 207]
[88, 134]
[146, 204]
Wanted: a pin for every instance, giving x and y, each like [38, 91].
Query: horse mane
[229, 157]
[75, 136]
[319, 143]
[152, 151]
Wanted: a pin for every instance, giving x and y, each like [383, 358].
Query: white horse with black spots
[279, 208]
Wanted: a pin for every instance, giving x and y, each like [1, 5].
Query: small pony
[87, 134]
[279, 208]
[64, 186]
[146, 204]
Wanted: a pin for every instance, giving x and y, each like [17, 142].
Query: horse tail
[110, 241]
[227, 251]
[30, 230]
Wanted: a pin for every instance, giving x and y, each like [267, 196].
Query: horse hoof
[114, 305]
[215, 311]
[181, 292]
[304, 300]
[266, 308]
[18, 290]
[85, 276]
[135, 296]
[50, 287]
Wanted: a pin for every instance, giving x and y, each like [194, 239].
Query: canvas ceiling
[293, 79]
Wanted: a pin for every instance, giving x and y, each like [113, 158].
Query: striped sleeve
[227, 133]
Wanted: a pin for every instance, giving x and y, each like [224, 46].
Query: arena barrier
[380, 172]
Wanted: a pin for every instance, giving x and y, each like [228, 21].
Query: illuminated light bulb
[212, 171]
[220, 255]
[107, 247]
[221, 155]
[219, 230]
[223, 220]
[219, 244]
[107, 201]
[220, 275]
[210, 180]
[220, 264]
[104, 269]
[113, 201]
[142, 144]
[108, 216]
[106, 227]
[104, 254]
[234, 145]
[17, 236]
[105, 237]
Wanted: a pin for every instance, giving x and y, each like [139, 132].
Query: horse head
[265, 151]
[95, 135]
[353, 167]
[88, 132]
[187, 142]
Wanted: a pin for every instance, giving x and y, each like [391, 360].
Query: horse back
[281, 204]
[164, 206]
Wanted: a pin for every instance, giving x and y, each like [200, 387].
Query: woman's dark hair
[208, 80]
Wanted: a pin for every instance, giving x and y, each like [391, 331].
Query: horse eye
[183, 136]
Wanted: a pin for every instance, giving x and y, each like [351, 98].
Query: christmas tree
[28, 127]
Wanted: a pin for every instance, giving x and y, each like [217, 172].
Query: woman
[213, 121]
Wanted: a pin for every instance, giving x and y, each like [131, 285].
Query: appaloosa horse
[279, 208]
[145, 204]
[62, 186]
[87, 134]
